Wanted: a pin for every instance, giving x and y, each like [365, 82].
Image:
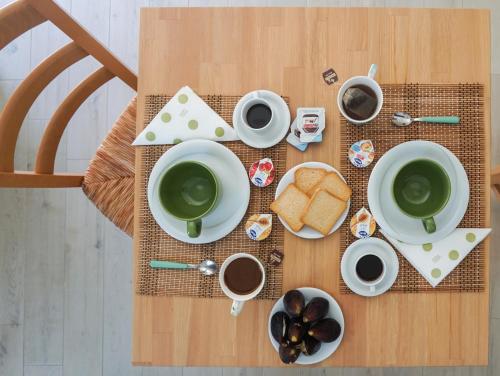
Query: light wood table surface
[236, 50]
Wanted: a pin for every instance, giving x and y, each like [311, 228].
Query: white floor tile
[43, 371]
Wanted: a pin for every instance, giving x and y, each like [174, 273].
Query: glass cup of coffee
[241, 278]
[257, 113]
[360, 98]
[370, 270]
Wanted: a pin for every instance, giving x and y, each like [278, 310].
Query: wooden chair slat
[82, 37]
[47, 150]
[30, 179]
[17, 18]
[495, 175]
[21, 100]
[495, 181]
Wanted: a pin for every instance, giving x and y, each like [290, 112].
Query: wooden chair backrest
[15, 19]
[495, 181]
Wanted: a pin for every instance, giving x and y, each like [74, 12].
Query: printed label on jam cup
[258, 226]
[361, 153]
[363, 224]
[262, 172]
[310, 123]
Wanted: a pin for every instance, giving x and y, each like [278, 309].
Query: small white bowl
[334, 312]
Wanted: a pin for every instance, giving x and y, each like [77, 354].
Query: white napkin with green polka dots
[186, 116]
[436, 260]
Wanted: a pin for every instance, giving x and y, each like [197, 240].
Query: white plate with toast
[308, 201]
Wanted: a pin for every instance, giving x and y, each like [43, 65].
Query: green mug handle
[429, 225]
[194, 228]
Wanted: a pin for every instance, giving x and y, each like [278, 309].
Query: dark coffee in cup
[259, 115]
[369, 268]
[359, 102]
[243, 276]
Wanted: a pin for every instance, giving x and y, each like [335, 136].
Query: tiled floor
[65, 271]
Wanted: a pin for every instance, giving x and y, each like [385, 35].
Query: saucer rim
[262, 142]
[163, 220]
[373, 192]
[389, 280]
[334, 312]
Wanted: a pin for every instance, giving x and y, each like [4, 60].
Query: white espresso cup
[256, 98]
[369, 81]
[239, 300]
[372, 285]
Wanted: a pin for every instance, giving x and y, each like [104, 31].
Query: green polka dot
[219, 131]
[150, 136]
[193, 124]
[166, 117]
[427, 247]
[183, 98]
[453, 254]
[470, 237]
[436, 273]
[177, 141]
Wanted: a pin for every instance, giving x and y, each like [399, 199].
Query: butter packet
[293, 137]
[259, 226]
[310, 122]
[363, 224]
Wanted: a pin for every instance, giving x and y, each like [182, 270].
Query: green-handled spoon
[207, 267]
[402, 119]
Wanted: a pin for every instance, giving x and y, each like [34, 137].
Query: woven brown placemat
[466, 141]
[155, 244]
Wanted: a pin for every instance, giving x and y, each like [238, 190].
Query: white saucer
[374, 246]
[334, 312]
[275, 132]
[307, 232]
[384, 209]
[231, 206]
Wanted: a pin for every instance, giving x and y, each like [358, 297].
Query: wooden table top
[236, 50]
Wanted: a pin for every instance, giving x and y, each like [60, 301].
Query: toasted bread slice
[290, 206]
[334, 185]
[323, 211]
[306, 178]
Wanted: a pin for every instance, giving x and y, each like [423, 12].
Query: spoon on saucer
[206, 267]
[402, 119]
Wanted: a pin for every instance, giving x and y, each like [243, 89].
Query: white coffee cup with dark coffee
[241, 278]
[370, 270]
[257, 113]
[360, 98]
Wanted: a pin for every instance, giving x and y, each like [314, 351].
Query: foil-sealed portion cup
[262, 172]
[259, 226]
[362, 153]
[310, 123]
[363, 224]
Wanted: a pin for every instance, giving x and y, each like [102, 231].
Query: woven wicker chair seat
[109, 180]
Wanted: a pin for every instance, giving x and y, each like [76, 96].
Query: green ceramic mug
[189, 191]
[421, 189]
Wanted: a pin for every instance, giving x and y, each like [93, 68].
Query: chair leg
[495, 181]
